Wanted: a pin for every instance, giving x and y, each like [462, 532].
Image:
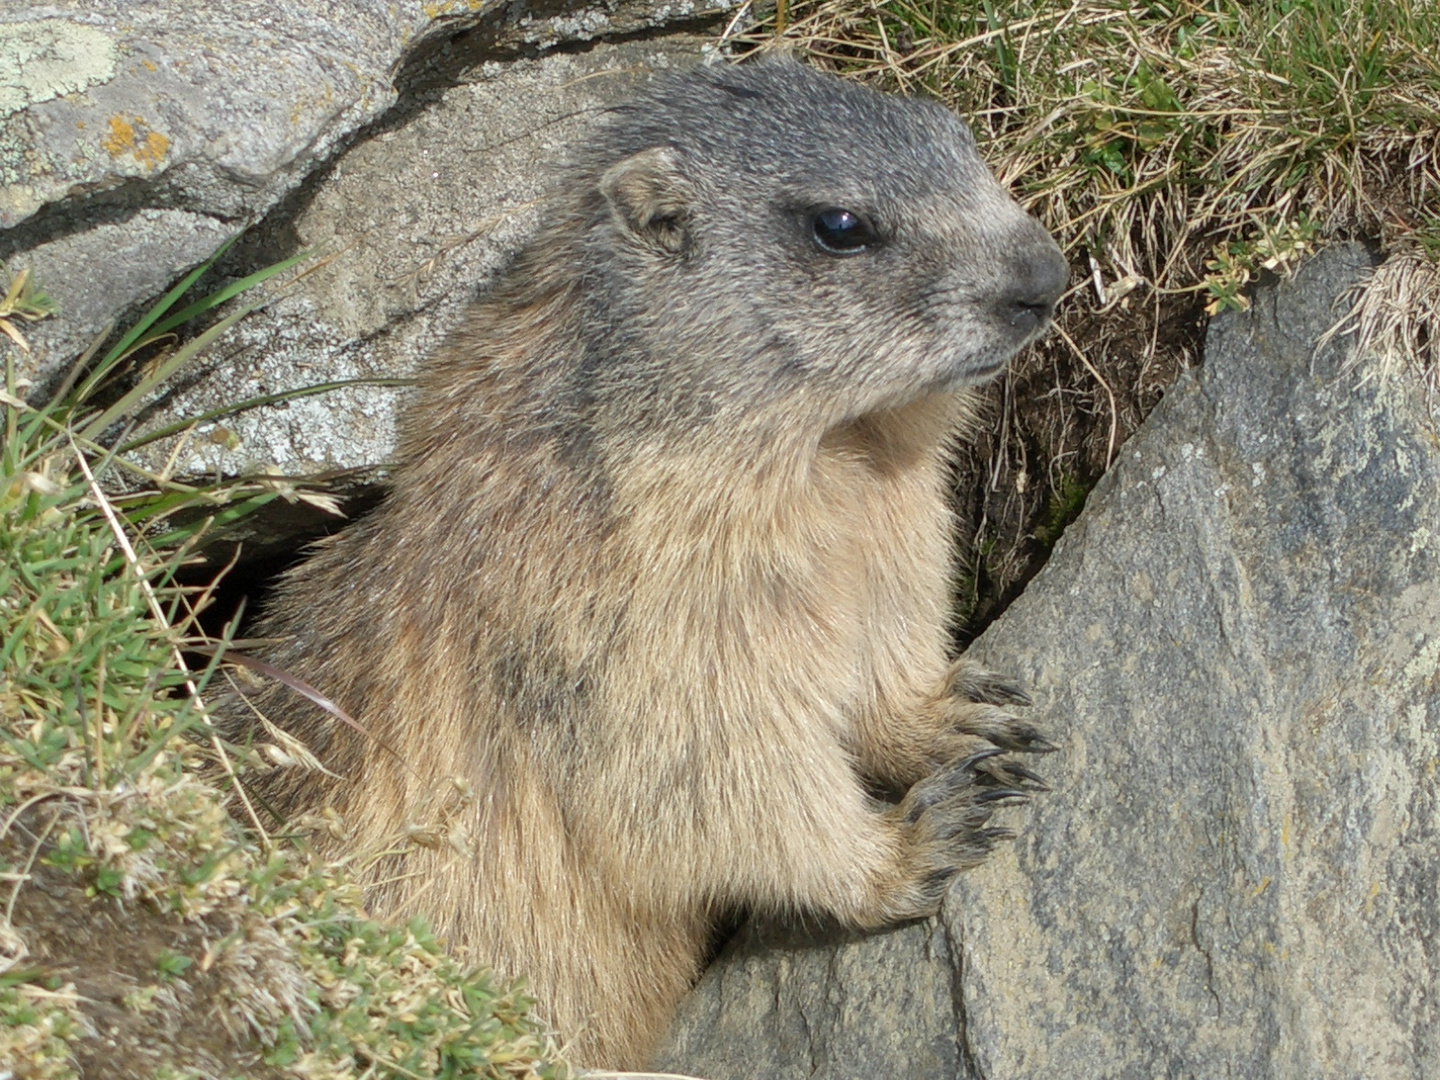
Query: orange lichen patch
[133, 136]
[121, 138]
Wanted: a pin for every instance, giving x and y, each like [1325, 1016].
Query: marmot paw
[972, 703]
[999, 727]
[946, 819]
[968, 681]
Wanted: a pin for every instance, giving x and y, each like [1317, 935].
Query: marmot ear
[650, 199]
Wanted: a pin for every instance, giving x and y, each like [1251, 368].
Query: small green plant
[171, 965]
[1234, 265]
[1427, 236]
[1063, 507]
[1229, 270]
[23, 301]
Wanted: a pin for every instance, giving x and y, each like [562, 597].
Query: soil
[110, 951]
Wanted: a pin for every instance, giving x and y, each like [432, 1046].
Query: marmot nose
[1039, 278]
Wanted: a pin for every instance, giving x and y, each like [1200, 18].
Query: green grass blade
[218, 297]
[78, 368]
[131, 336]
[220, 519]
[256, 403]
[172, 363]
[143, 506]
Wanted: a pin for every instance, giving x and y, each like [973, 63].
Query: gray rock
[159, 124]
[142, 256]
[1238, 872]
[787, 1004]
[210, 112]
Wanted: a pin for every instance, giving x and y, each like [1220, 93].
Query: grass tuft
[1395, 313]
[22, 301]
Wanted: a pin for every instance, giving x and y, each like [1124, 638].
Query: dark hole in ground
[259, 550]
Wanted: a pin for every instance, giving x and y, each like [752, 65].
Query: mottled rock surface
[1238, 647]
[135, 136]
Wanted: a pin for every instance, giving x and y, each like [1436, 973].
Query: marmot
[656, 606]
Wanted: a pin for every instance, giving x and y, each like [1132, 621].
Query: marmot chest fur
[659, 595]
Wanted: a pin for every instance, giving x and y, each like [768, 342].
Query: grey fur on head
[699, 224]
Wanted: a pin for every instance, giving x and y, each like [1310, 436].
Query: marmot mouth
[963, 376]
[974, 375]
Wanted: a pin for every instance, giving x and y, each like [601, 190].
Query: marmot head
[763, 234]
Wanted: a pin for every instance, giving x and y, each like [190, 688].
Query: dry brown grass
[1395, 313]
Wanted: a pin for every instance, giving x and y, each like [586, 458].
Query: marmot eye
[841, 232]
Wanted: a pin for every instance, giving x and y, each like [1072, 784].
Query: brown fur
[645, 626]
